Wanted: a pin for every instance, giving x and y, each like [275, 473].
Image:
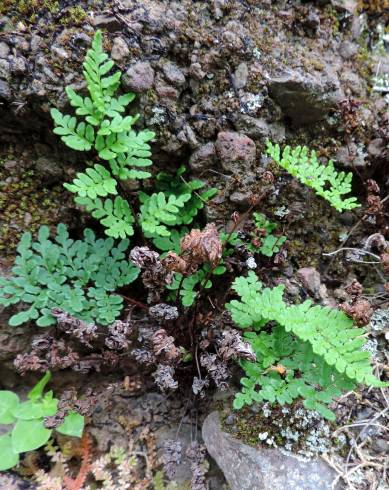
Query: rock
[48, 170]
[139, 77]
[173, 74]
[119, 51]
[351, 156]
[60, 53]
[4, 69]
[5, 91]
[203, 158]
[310, 278]
[240, 76]
[4, 49]
[380, 445]
[348, 50]
[108, 22]
[376, 147]
[303, 97]
[260, 128]
[241, 199]
[236, 151]
[36, 43]
[346, 6]
[18, 65]
[248, 468]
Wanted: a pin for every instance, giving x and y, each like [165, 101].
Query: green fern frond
[78, 276]
[137, 155]
[318, 348]
[330, 332]
[115, 215]
[159, 211]
[96, 181]
[323, 179]
[78, 136]
[176, 185]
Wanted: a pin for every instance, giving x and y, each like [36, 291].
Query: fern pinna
[313, 352]
[323, 179]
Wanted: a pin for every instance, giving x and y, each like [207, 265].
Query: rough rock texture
[303, 97]
[235, 151]
[247, 468]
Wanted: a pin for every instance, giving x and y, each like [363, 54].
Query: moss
[74, 16]
[28, 9]
[25, 205]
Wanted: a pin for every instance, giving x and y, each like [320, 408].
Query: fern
[270, 244]
[110, 133]
[176, 185]
[159, 211]
[186, 286]
[324, 343]
[96, 181]
[323, 179]
[116, 216]
[78, 136]
[78, 276]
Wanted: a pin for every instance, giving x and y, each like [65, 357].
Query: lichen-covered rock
[249, 468]
[236, 151]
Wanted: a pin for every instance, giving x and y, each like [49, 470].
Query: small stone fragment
[236, 151]
[139, 77]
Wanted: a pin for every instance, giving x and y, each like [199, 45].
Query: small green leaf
[73, 425]
[28, 435]
[8, 402]
[37, 391]
[8, 457]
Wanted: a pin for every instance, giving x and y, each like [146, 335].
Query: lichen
[292, 429]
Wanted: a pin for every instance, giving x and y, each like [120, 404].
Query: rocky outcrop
[249, 468]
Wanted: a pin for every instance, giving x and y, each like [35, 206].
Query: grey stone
[5, 91]
[173, 74]
[4, 49]
[60, 53]
[260, 128]
[4, 69]
[48, 170]
[380, 445]
[108, 22]
[347, 6]
[348, 50]
[241, 199]
[310, 278]
[240, 76]
[236, 151]
[376, 147]
[119, 51]
[139, 77]
[249, 468]
[36, 43]
[303, 97]
[18, 65]
[351, 156]
[203, 158]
